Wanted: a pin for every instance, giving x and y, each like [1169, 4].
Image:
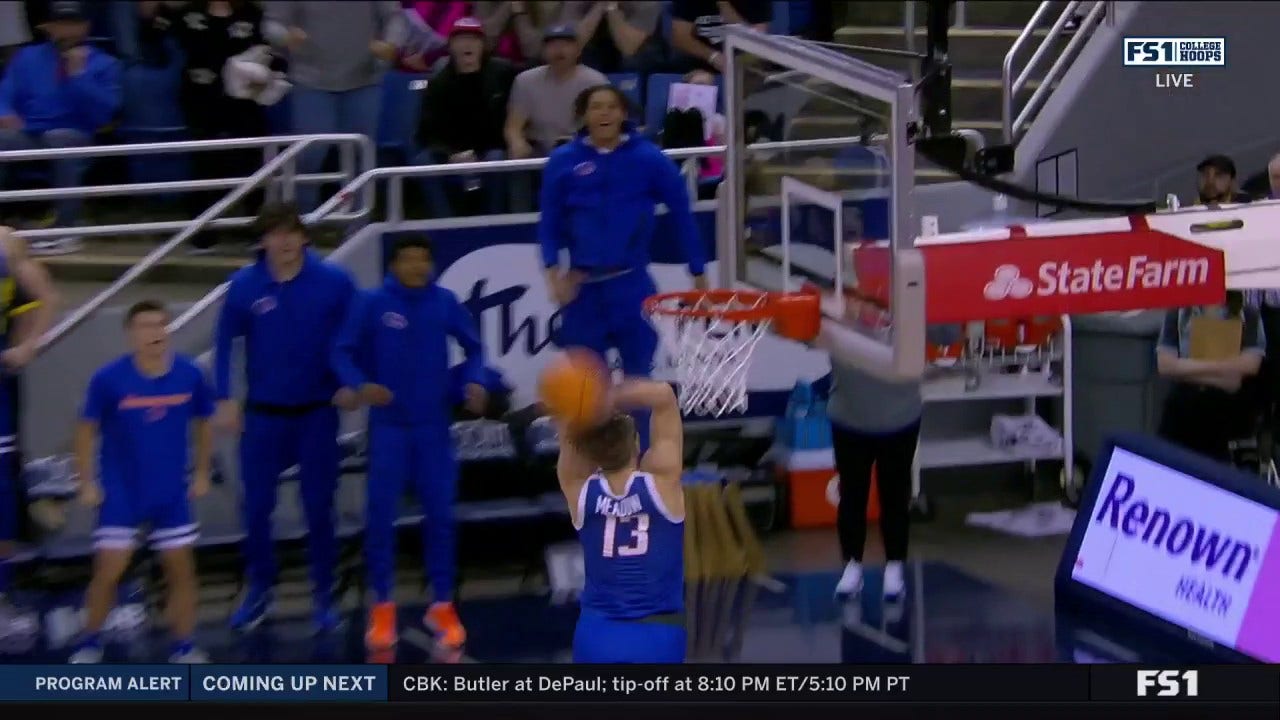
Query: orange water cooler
[813, 489]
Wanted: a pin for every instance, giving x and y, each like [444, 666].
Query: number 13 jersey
[633, 550]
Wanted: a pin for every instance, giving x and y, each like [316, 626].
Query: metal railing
[1014, 126]
[395, 177]
[356, 155]
[191, 228]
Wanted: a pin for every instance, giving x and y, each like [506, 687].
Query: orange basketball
[573, 386]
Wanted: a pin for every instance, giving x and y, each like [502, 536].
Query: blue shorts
[601, 640]
[121, 518]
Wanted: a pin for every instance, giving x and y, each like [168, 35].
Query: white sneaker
[58, 246]
[851, 581]
[86, 656]
[895, 583]
[194, 656]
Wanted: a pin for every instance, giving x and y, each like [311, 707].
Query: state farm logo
[1008, 282]
[1065, 278]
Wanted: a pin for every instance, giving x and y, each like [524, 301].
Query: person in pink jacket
[429, 24]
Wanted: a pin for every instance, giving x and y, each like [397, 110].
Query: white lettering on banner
[1142, 273]
[1182, 549]
[1064, 278]
[504, 287]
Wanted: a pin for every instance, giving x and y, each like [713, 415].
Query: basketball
[573, 386]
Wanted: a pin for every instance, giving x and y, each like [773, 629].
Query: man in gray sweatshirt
[338, 52]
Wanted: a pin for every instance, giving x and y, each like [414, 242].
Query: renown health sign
[1186, 551]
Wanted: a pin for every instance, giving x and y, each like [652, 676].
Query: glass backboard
[819, 175]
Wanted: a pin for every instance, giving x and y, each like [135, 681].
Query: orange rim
[686, 304]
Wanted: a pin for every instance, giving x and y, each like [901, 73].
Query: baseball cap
[560, 32]
[1221, 163]
[466, 26]
[66, 10]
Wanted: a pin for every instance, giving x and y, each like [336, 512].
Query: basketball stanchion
[722, 555]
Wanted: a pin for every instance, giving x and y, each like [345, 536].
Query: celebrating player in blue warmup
[143, 407]
[395, 352]
[288, 307]
[25, 291]
[599, 194]
[629, 512]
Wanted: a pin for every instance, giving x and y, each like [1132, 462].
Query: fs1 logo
[1175, 52]
[1170, 683]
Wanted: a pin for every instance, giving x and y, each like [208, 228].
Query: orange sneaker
[442, 619]
[381, 634]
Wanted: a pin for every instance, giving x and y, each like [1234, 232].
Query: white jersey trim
[657, 500]
[579, 516]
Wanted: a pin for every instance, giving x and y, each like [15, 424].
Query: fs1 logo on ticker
[1169, 683]
[1169, 52]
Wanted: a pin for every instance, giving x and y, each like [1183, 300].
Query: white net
[711, 353]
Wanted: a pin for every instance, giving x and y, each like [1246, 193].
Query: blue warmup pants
[418, 457]
[608, 314]
[272, 443]
[600, 640]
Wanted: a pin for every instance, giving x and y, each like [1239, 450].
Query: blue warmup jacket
[289, 330]
[399, 337]
[35, 90]
[600, 205]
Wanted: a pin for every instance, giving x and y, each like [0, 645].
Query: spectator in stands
[338, 52]
[428, 37]
[141, 31]
[514, 29]
[618, 36]
[540, 115]
[13, 29]
[59, 94]
[462, 117]
[1205, 409]
[697, 27]
[210, 32]
[1218, 181]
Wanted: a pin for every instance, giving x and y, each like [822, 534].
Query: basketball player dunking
[629, 513]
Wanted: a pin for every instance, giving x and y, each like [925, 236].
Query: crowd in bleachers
[433, 82]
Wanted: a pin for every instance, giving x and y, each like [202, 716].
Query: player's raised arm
[665, 457]
[572, 470]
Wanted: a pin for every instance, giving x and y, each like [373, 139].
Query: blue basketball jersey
[633, 550]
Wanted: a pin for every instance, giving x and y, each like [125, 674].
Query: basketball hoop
[712, 334]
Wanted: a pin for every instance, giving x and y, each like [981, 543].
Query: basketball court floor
[973, 597]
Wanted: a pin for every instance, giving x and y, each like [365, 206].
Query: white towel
[248, 76]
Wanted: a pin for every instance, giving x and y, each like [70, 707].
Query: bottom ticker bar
[639, 684]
